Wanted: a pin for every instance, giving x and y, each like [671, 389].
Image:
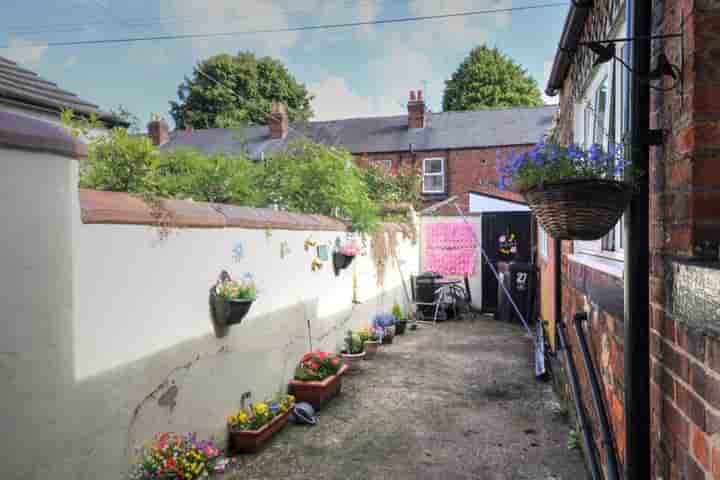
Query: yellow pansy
[260, 409]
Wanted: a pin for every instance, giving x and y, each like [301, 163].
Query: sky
[352, 72]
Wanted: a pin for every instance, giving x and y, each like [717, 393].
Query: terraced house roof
[24, 88]
[446, 130]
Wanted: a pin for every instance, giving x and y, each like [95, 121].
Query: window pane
[433, 165]
[433, 183]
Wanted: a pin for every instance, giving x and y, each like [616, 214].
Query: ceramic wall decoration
[238, 251]
[316, 265]
[323, 253]
[284, 249]
[309, 243]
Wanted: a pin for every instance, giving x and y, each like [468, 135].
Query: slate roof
[447, 130]
[25, 88]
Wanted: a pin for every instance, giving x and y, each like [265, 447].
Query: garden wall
[106, 335]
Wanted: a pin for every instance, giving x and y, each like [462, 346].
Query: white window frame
[543, 242]
[439, 174]
[585, 136]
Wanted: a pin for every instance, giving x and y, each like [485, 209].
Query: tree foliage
[401, 187]
[233, 90]
[489, 79]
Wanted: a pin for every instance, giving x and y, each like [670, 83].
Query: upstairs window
[433, 175]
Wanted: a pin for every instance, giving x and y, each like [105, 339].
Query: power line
[290, 29]
[142, 22]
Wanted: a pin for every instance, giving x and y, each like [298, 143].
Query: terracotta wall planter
[319, 393]
[251, 441]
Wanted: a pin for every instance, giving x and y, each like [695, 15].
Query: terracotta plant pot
[371, 348]
[251, 441]
[317, 393]
[353, 360]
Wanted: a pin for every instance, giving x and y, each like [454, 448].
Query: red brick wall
[472, 169]
[684, 223]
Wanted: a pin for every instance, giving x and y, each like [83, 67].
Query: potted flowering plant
[400, 320]
[385, 322]
[354, 351]
[343, 257]
[318, 378]
[250, 429]
[575, 193]
[231, 299]
[371, 341]
[173, 456]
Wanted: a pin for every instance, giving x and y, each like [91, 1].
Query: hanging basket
[341, 262]
[579, 209]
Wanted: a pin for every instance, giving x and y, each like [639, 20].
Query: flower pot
[400, 327]
[229, 312]
[352, 360]
[317, 393]
[579, 209]
[387, 339]
[251, 441]
[341, 261]
[371, 348]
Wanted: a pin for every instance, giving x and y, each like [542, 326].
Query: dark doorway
[494, 226]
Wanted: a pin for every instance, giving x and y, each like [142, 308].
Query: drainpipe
[590, 453]
[637, 248]
[557, 273]
[597, 396]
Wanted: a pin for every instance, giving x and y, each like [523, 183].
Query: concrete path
[454, 402]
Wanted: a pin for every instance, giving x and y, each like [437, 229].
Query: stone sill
[615, 268]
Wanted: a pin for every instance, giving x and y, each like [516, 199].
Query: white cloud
[25, 52]
[71, 61]
[394, 74]
[234, 15]
[468, 30]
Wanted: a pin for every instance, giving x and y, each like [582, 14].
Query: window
[542, 242]
[433, 175]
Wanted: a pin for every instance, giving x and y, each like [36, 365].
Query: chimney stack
[278, 121]
[417, 112]
[158, 130]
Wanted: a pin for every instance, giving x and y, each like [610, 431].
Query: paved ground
[456, 402]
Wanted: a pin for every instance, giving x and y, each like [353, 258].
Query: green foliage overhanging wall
[308, 178]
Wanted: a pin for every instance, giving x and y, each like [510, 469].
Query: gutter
[572, 31]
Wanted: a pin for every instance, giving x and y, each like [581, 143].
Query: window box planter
[251, 441]
[341, 261]
[352, 360]
[318, 393]
[371, 348]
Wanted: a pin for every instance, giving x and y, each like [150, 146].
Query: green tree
[489, 79]
[312, 178]
[234, 90]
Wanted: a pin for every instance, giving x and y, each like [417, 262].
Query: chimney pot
[412, 95]
[279, 124]
[158, 130]
[417, 113]
[419, 95]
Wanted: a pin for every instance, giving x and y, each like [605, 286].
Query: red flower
[314, 365]
[335, 361]
[321, 355]
[306, 357]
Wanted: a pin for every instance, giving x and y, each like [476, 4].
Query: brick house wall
[684, 227]
[468, 169]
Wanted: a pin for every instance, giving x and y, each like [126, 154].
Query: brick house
[455, 151]
[680, 327]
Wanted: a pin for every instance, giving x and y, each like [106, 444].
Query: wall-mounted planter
[251, 441]
[341, 262]
[228, 312]
[317, 393]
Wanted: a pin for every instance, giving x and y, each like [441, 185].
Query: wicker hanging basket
[579, 209]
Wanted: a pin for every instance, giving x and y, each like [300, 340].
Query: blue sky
[362, 71]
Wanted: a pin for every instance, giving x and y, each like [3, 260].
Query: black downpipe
[637, 248]
[589, 450]
[596, 391]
